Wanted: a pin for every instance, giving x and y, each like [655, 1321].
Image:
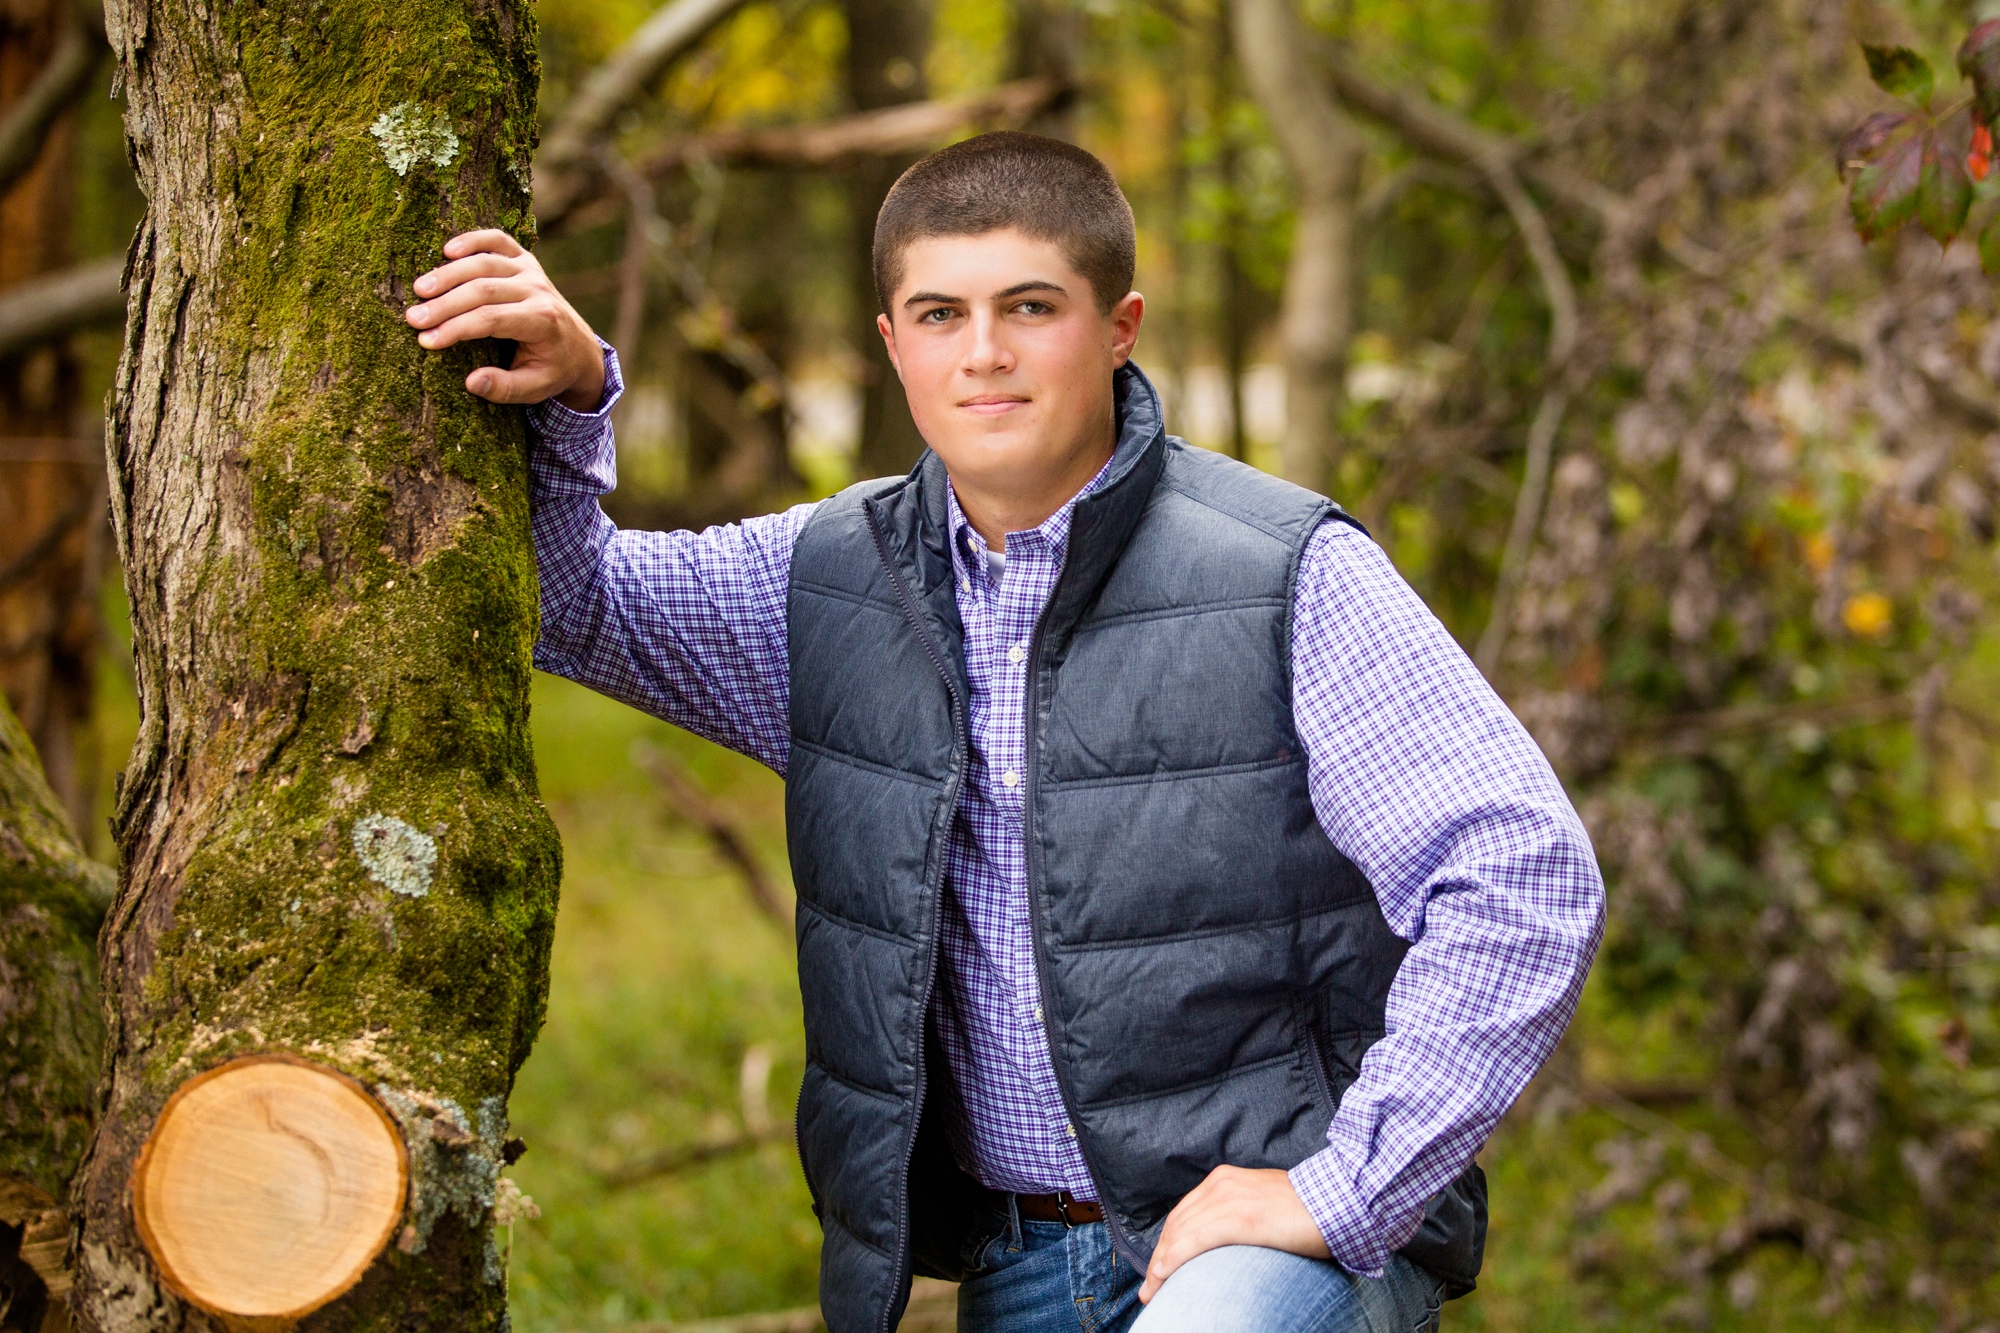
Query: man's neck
[993, 513]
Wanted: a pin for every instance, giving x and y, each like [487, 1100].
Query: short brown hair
[1049, 189]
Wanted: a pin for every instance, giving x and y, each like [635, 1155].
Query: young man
[1178, 910]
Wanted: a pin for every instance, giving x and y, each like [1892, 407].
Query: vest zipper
[961, 737]
[1121, 1242]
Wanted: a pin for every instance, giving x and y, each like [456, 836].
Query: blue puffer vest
[1212, 969]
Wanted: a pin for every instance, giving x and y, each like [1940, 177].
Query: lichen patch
[453, 1165]
[398, 856]
[410, 136]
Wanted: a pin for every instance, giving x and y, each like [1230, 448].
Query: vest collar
[1103, 518]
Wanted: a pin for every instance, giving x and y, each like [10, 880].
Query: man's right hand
[491, 288]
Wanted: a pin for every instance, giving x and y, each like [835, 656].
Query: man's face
[1006, 359]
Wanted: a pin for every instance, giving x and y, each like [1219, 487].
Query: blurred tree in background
[1565, 300]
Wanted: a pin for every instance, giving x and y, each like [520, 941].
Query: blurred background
[1560, 296]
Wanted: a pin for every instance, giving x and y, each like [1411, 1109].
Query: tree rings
[267, 1187]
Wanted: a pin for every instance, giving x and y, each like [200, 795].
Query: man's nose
[987, 353]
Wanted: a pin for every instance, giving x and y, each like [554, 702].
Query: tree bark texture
[887, 41]
[51, 493]
[52, 898]
[1323, 150]
[332, 842]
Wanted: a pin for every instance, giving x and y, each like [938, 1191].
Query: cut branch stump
[267, 1187]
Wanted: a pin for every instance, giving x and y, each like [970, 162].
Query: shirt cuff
[558, 424]
[1354, 1236]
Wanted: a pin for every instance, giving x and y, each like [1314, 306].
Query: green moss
[52, 898]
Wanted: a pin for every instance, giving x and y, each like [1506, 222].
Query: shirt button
[1038, 1013]
[1010, 779]
[1017, 654]
[1072, 1131]
[965, 585]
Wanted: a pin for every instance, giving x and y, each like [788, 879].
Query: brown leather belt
[1058, 1207]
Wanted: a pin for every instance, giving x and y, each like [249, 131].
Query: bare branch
[685, 794]
[909, 128]
[28, 561]
[26, 126]
[892, 131]
[753, 1082]
[1435, 130]
[933, 1308]
[33, 312]
[562, 168]
[640, 217]
[1384, 193]
[1527, 518]
[686, 1159]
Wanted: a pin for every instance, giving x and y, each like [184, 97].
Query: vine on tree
[1928, 164]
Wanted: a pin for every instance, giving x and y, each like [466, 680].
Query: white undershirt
[996, 565]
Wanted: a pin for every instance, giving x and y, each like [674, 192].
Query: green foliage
[1901, 72]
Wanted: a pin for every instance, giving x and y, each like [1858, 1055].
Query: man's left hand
[1234, 1206]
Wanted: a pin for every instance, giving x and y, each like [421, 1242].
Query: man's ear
[1126, 317]
[888, 332]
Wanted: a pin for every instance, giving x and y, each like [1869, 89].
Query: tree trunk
[52, 898]
[1322, 148]
[887, 41]
[1047, 35]
[1233, 297]
[51, 498]
[332, 843]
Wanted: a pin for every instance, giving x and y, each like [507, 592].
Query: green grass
[664, 975]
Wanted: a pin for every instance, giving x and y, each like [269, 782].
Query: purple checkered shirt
[1418, 774]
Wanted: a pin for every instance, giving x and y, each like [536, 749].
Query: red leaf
[1863, 141]
[1979, 60]
[1884, 194]
[1943, 192]
[1979, 158]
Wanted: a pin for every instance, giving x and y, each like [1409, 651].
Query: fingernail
[417, 311]
[481, 383]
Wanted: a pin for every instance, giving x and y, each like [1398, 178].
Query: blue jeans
[1043, 1277]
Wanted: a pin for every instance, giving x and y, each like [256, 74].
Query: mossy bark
[331, 837]
[52, 898]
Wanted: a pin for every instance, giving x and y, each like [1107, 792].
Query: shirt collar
[1138, 421]
[969, 548]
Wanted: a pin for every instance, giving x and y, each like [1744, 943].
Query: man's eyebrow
[1018, 289]
[1032, 285]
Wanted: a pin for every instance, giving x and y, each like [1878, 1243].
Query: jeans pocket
[1433, 1309]
[985, 1245]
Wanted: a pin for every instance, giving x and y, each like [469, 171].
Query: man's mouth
[992, 404]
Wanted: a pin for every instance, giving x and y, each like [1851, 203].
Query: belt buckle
[1063, 1202]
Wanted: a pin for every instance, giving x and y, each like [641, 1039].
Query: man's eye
[935, 315]
[1034, 307]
